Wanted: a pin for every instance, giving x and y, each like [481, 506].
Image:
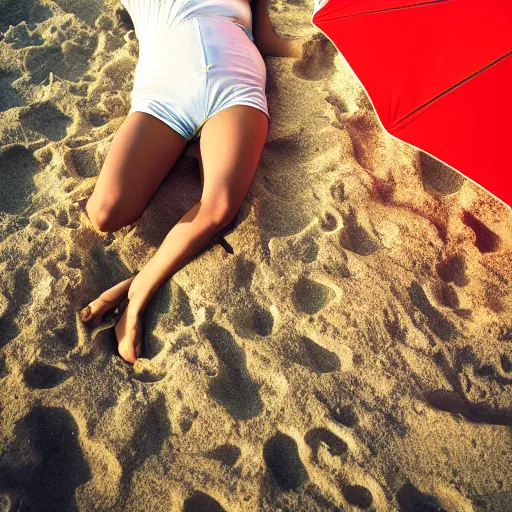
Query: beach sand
[350, 348]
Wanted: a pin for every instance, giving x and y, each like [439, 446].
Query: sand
[349, 348]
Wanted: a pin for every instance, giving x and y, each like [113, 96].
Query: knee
[104, 216]
[220, 213]
[99, 215]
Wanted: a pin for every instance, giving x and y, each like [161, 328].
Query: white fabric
[196, 57]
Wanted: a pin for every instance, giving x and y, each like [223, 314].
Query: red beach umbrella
[439, 75]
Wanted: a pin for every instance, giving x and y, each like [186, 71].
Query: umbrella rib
[419, 4]
[458, 84]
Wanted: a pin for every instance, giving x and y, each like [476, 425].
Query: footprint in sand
[304, 249]
[84, 160]
[447, 296]
[322, 436]
[395, 325]
[149, 375]
[436, 321]
[59, 343]
[449, 401]
[252, 319]
[44, 464]
[342, 413]
[453, 270]
[13, 12]
[68, 61]
[339, 103]
[505, 333]
[43, 376]
[411, 499]
[201, 502]
[317, 358]
[506, 363]
[228, 454]
[328, 222]
[97, 119]
[184, 309]
[496, 300]
[337, 192]
[358, 496]
[187, 419]
[9, 95]
[11, 304]
[17, 169]
[244, 273]
[68, 219]
[438, 176]
[88, 11]
[152, 434]
[346, 415]
[281, 456]
[354, 237]
[3, 365]
[317, 62]
[20, 36]
[310, 297]
[45, 119]
[485, 239]
[233, 388]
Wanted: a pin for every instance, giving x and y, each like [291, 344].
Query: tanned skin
[140, 156]
[265, 38]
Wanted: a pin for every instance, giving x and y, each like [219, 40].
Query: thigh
[140, 156]
[231, 144]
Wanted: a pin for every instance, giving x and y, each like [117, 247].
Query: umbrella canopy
[439, 75]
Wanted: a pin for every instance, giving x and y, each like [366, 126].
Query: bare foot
[106, 302]
[129, 336]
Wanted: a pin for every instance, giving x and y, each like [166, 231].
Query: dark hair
[124, 18]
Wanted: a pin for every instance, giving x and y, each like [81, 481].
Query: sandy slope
[353, 350]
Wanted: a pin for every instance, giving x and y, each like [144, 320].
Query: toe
[86, 314]
[92, 314]
[95, 311]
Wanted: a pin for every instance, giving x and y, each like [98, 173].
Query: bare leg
[267, 40]
[142, 153]
[231, 145]
[275, 46]
[107, 301]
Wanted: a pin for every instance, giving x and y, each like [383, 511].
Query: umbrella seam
[386, 10]
[445, 92]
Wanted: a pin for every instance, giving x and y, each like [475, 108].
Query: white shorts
[196, 58]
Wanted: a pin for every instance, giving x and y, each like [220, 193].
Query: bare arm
[265, 37]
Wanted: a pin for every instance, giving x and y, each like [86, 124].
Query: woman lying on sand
[200, 72]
